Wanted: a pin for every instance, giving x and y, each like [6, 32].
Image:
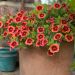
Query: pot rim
[7, 50]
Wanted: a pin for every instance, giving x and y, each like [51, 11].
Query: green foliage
[72, 3]
[42, 26]
[1, 37]
[73, 65]
[21, 45]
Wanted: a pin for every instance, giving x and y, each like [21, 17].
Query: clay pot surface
[35, 61]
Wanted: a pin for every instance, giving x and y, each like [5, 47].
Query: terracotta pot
[35, 61]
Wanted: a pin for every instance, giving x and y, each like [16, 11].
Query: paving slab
[10, 73]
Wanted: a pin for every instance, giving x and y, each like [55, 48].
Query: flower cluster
[46, 25]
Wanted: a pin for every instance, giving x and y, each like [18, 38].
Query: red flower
[6, 25]
[18, 32]
[20, 38]
[37, 43]
[72, 16]
[40, 29]
[39, 7]
[67, 10]
[17, 19]
[69, 38]
[50, 53]
[57, 36]
[22, 11]
[24, 23]
[24, 33]
[25, 18]
[29, 41]
[16, 29]
[19, 14]
[13, 44]
[51, 20]
[11, 29]
[31, 28]
[40, 36]
[45, 41]
[10, 20]
[41, 15]
[1, 24]
[66, 29]
[33, 15]
[63, 22]
[5, 34]
[64, 5]
[41, 42]
[55, 28]
[25, 28]
[12, 35]
[54, 48]
[57, 6]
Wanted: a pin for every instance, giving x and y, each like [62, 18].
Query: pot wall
[35, 61]
[8, 59]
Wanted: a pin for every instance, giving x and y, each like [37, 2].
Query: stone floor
[73, 73]
[10, 73]
[16, 73]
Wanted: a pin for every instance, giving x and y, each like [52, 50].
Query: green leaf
[14, 24]
[73, 65]
[72, 3]
[51, 41]
[46, 26]
[21, 44]
[33, 34]
[57, 20]
[1, 37]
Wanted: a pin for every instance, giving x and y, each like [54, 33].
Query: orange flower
[64, 5]
[39, 7]
[41, 15]
[41, 43]
[25, 18]
[29, 41]
[13, 44]
[66, 29]
[10, 20]
[55, 28]
[40, 36]
[17, 19]
[37, 43]
[51, 20]
[57, 6]
[24, 23]
[57, 36]
[1, 24]
[24, 33]
[11, 29]
[5, 34]
[54, 48]
[72, 16]
[63, 22]
[19, 14]
[50, 53]
[40, 29]
[69, 38]
[22, 11]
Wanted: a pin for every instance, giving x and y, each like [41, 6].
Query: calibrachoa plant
[46, 25]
